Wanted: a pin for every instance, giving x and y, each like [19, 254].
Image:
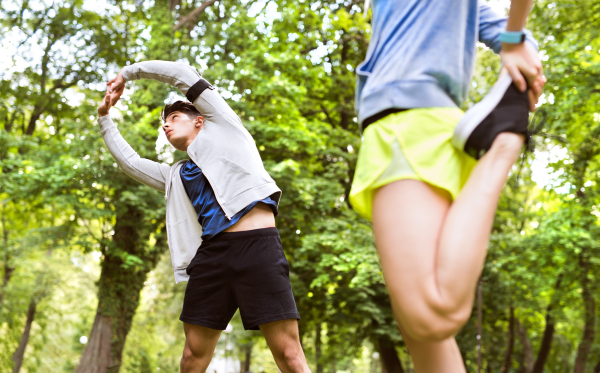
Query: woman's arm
[522, 63]
[491, 24]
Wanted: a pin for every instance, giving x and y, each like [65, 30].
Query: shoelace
[533, 130]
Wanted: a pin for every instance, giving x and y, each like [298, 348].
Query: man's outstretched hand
[116, 84]
[110, 99]
[524, 66]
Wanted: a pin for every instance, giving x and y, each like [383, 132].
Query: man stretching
[221, 208]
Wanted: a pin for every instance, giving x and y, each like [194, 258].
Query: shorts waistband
[382, 114]
[244, 235]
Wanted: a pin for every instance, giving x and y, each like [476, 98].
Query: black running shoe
[503, 109]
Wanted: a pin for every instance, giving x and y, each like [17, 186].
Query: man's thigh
[282, 335]
[200, 341]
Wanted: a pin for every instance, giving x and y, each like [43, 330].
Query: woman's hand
[524, 66]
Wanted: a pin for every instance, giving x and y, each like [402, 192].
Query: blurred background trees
[84, 259]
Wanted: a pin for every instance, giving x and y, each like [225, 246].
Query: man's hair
[184, 107]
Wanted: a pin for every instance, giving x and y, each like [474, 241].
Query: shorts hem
[423, 163]
[204, 323]
[372, 189]
[284, 316]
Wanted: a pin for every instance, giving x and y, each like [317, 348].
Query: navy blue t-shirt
[210, 215]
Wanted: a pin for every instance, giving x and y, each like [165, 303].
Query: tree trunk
[35, 299]
[96, 357]
[511, 342]
[18, 355]
[318, 344]
[318, 348]
[597, 368]
[8, 270]
[590, 317]
[390, 363]
[37, 113]
[527, 347]
[546, 344]
[119, 290]
[247, 359]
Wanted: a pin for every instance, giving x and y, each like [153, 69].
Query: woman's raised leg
[432, 251]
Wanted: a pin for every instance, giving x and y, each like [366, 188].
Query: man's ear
[199, 121]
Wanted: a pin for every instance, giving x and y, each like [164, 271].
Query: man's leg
[283, 340]
[200, 344]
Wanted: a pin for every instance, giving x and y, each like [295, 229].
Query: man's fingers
[104, 104]
[116, 95]
[117, 86]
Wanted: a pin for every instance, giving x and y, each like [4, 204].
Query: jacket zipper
[167, 192]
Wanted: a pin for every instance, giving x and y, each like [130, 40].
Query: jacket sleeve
[491, 24]
[189, 82]
[147, 172]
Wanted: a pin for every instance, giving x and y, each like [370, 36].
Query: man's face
[181, 130]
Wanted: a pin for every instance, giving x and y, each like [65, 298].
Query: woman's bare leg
[435, 357]
[432, 251]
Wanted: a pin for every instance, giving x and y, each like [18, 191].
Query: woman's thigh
[408, 216]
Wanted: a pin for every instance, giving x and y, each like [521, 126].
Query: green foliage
[79, 237]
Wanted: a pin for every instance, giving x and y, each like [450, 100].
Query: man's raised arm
[147, 172]
[177, 74]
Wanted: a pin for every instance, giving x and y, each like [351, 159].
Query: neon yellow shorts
[413, 144]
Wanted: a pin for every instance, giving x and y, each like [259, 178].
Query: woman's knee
[433, 326]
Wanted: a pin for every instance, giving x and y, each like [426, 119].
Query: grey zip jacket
[224, 150]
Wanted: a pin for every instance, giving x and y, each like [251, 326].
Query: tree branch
[182, 21]
[173, 4]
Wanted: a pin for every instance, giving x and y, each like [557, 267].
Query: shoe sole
[475, 115]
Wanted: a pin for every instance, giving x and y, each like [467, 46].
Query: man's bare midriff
[261, 216]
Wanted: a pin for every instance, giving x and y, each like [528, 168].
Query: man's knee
[293, 358]
[192, 360]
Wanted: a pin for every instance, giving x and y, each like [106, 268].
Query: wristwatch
[512, 37]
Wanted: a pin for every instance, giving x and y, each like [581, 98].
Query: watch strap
[512, 37]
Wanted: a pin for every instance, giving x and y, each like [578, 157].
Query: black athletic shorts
[239, 269]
